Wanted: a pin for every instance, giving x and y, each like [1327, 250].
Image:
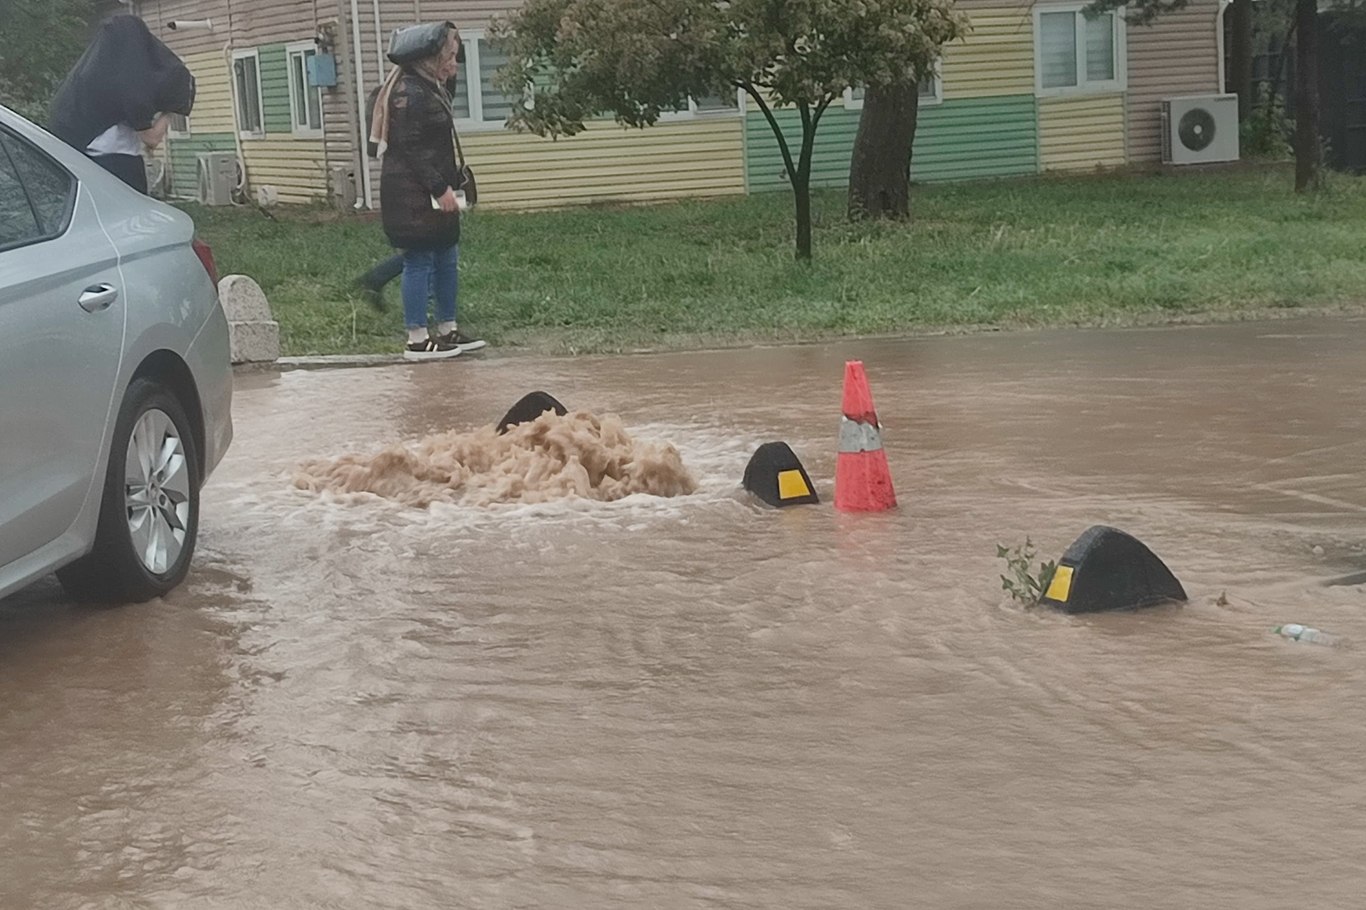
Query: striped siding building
[1034, 87]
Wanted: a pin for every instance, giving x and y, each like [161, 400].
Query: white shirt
[119, 139]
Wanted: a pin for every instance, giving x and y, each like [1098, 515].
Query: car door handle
[99, 297]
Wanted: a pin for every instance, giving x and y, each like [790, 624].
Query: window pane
[180, 123]
[928, 88]
[248, 97]
[298, 79]
[1058, 49]
[856, 94]
[17, 223]
[48, 185]
[460, 95]
[254, 96]
[1100, 48]
[315, 96]
[239, 71]
[497, 106]
[714, 103]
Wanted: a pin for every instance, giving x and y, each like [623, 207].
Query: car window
[18, 223]
[49, 185]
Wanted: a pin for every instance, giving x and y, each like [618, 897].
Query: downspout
[1219, 35]
[360, 107]
[379, 44]
[236, 126]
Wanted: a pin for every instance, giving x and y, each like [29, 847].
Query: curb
[324, 362]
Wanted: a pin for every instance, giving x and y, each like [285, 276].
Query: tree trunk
[880, 171]
[1240, 57]
[1308, 146]
[801, 182]
[801, 191]
[798, 171]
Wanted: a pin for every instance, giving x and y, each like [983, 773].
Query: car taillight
[201, 249]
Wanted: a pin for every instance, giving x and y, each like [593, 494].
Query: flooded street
[700, 702]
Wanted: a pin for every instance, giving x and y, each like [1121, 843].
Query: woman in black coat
[419, 195]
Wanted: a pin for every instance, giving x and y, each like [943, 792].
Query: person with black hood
[119, 97]
[421, 185]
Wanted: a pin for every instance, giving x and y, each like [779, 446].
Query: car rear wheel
[149, 514]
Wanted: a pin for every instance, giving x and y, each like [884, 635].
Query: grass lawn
[1087, 250]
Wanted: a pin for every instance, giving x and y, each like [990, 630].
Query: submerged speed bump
[776, 476]
[1106, 569]
[528, 409]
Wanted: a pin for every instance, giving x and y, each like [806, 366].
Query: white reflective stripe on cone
[859, 437]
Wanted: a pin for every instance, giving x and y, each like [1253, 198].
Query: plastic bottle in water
[1297, 632]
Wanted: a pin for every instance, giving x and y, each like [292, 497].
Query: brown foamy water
[577, 455]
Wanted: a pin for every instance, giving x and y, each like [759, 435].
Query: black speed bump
[776, 476]
[1106, 569]
[528, 409]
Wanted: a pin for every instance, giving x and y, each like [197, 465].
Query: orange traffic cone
[863, 482]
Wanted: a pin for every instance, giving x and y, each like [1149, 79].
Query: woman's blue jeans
[428, 273]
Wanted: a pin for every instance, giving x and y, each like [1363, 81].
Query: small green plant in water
[1023, 583]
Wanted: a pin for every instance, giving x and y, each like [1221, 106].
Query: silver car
[115, 381]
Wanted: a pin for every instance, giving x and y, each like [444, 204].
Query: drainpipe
[1219, 34]
[360, 106]
[236, 126]
[379, 44]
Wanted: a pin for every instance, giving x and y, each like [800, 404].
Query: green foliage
[40, 40]
[572, 60]
[1024, 584]
[1138, 12]
[1265, 134]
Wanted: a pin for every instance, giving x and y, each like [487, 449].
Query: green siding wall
[275, 89]
[830, 158]
[957, 140]
[185, 160]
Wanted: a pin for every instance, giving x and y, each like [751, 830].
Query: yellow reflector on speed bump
[792, 485]
[1061, 586]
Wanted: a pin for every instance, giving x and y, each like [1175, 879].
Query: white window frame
[856, 104]
[292, 51]
[692, 113]
[255, 56]
[472, 69]
[1083, 86]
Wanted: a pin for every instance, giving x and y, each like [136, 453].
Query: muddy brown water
[696, 702]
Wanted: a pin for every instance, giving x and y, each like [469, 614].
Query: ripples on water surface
[696, 702]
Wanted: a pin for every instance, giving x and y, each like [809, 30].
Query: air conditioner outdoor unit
[1200, 129]
[217, 177]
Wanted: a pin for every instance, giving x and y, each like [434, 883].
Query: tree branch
[753, 92]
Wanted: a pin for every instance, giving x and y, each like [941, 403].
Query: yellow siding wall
[213, 93]
[1081, 133]
[293, 166]
[1177, 55]
[997, 57]
[607, 163]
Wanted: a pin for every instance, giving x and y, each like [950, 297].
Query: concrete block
[243, 300]
[254, 333]
[255, 342]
